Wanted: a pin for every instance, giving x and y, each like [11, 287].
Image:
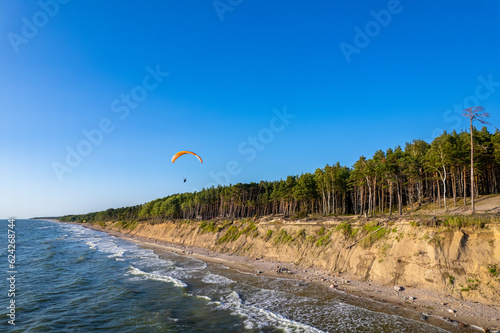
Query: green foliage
[225, 224]
[119, 214]
[494, 271]
[268, 236]
[310, 239]
[208, 226]
[472, 284]
[214, 226]
[321, 231]
[346, 229]
[305, 190]
[462, 221]
[370, 226]
[128, 225]
[300, 215]
[324, 240]
[374, 234]
[233, 232]
[250, 230]
[203, 225]
[283, 237]
[451, 279]
[231, 235]
[301, 234]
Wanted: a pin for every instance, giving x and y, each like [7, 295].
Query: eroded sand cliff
[463, 263]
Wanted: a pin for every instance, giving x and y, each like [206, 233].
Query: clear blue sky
[342, 83]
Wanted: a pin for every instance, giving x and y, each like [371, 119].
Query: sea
[68, 278]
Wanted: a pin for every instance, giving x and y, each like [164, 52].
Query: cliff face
[463, 263]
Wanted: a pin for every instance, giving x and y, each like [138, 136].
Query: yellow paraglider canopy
[184, 152]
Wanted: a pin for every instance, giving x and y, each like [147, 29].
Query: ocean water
[73, 279]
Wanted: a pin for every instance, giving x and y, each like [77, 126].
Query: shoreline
[418, 304]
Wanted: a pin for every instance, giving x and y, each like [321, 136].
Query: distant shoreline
[399, 301]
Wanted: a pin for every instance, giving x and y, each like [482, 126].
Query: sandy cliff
[464, 263]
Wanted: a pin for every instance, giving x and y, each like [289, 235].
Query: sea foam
[258, 317]
[217, 279]
[157, 277]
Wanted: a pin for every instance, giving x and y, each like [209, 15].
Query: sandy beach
[419, 304]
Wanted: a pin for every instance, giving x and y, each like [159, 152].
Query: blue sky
[259, 89]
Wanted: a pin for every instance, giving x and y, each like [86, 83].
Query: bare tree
[474, 113]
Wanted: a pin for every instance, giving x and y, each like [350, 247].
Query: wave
[259, 318]
[157, 277]
[104, 245]
[217, 279]
[203, 297]
[62, 237]
[146, 257]
[91, 245]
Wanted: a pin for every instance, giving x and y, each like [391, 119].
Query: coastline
[418, 304]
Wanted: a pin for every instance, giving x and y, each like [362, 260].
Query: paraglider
[184, 152]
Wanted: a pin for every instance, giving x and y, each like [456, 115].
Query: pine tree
[474, 113]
